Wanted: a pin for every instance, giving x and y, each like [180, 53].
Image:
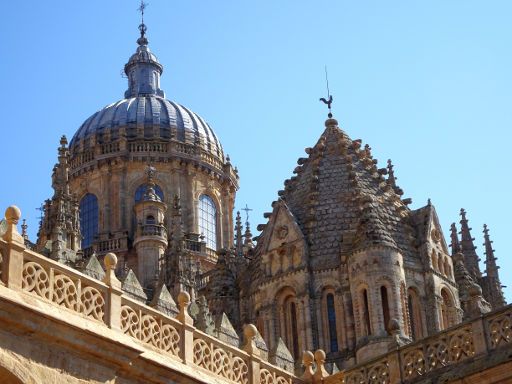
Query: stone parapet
[50, 292]
[474, 347]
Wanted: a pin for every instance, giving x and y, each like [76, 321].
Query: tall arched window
[331, 318]
[291, 333]
[385, 307]
[208, 221]
[414, 314]
[88, 219]
[447, 308]
[139, 193]
[367, 327]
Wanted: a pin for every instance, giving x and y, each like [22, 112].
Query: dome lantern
[143, 69]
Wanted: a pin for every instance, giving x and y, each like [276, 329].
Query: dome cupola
[143, 70]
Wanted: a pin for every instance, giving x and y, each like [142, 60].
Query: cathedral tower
[106, 167]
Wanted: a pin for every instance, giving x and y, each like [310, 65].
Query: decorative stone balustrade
[105, 304]
[103, 308]
[152, 230]
[163, 149]
[437, 354]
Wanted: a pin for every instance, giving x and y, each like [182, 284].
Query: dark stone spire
[455, 245]
[239, 244]
[467, 247]
[248, 237]
[492, 280]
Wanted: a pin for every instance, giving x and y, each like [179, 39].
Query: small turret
[151, 235]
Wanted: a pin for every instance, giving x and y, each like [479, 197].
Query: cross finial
[247, 210]
[327, 101]
[142, 27]
[141, 9]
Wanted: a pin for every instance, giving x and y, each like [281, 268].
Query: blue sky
[427, 84]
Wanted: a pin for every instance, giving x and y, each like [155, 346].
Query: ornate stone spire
[492, 279]
[24, 228]
[467, 247]
[143, 69]
[149, 193]
[455, 245]
[248, 237]
[470, 293]
[59, 235]
[239, 245]
[392, 179]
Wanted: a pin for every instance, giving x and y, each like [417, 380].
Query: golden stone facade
[142, 217]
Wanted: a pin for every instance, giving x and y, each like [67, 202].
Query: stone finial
[320, 372]
[250, 332]
[183, 304]
[110, 261]
[307, 362]
[110, 278]
[12, 216]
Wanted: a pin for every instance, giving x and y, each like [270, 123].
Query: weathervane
[247, 210]
[327, 101]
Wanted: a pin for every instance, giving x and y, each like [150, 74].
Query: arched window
[331, 318]
[413, 304]
[139, 193]
[434, 261]
[385, 307]
[447, 268]
[291, 333]
[367, 328]
[208, 221]
[447, 308]
[150, 219]
[440, 262]
[88, 219]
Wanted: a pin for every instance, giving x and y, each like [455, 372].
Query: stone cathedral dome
[145, 115]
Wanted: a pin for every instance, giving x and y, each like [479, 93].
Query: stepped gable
[342, 201]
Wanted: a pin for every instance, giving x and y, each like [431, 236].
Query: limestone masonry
[140, 273]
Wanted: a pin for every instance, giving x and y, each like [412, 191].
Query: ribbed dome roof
[150, 117]
[145, 114]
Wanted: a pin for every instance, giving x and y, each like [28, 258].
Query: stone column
[308, 324]
[113, 299]
[12, 268]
